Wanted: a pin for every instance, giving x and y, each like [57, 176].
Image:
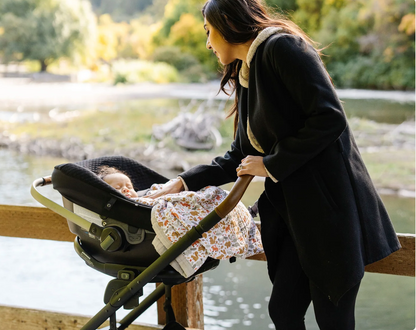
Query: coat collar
[261, 37]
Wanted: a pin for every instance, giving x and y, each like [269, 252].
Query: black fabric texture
[79, 183]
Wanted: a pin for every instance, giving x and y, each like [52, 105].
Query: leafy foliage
[370, 43]
[282, 5]
[189, 35]
[174, 10]
[131, 40]
[367, 43]
[174, 56]
[45, 30]
[121, 9]
[182, 28]
[189, 68]
[141, 71]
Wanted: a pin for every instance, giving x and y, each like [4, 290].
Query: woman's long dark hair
[239, 21]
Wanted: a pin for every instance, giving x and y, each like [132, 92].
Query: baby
[119, 181]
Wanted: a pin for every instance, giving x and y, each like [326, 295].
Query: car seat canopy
[79, 183]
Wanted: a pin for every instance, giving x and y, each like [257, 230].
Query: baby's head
[118, 180]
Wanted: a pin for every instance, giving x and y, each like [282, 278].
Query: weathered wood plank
[42, 223]
[14, 318]
[401, 262]
[33, 222]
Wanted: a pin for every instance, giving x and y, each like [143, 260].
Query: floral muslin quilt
[173, 215]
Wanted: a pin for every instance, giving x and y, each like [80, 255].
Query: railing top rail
[42, 223]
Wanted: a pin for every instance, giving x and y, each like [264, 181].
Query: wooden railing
[42, 223]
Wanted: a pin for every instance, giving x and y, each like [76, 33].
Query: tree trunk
[43, 65]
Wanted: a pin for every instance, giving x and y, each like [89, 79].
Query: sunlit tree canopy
[45, 30]
[367, 44]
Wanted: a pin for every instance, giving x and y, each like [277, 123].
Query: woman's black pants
[292, 290]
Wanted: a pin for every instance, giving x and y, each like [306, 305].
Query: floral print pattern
[173, 215]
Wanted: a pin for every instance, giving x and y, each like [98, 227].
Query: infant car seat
[125, 221]
[114, 234]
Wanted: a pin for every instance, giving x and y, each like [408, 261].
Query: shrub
[194, 73]
[190, 69]
[372, 72]
[140, 71]
[175, 57]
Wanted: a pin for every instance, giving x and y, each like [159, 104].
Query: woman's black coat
[324, 192]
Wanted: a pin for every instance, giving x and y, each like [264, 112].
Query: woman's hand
[252, 165]
[172, 187]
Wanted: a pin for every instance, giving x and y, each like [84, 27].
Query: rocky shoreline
[374, 138]
[371, 137]
[74, 150]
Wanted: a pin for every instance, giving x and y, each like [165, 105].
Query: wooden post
[187, 304]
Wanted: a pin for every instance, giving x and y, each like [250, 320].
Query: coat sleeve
[221, 170]
[304, 76]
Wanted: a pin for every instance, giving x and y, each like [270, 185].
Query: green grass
[115, 127]
[392, 169]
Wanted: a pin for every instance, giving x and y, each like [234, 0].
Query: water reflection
[18, 171]
[380, 110]
[236, 296]
[384, 302]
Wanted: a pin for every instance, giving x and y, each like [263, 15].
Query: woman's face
[216, 42]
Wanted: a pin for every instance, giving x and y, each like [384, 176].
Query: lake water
[49, 275]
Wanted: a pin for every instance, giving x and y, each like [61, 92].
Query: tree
[182, 26]
[124, 40]
[174, 10]
[189, 35]
[370, 43]
[341, 28]
[107, 41]
[120, 10]
[45, 30]
[308, 15]
[282, 5]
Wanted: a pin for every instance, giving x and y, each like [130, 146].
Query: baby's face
[122, 183]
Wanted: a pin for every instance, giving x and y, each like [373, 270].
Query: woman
[322, 220]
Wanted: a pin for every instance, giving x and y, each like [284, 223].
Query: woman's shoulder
[287, 48]
[282, 42]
